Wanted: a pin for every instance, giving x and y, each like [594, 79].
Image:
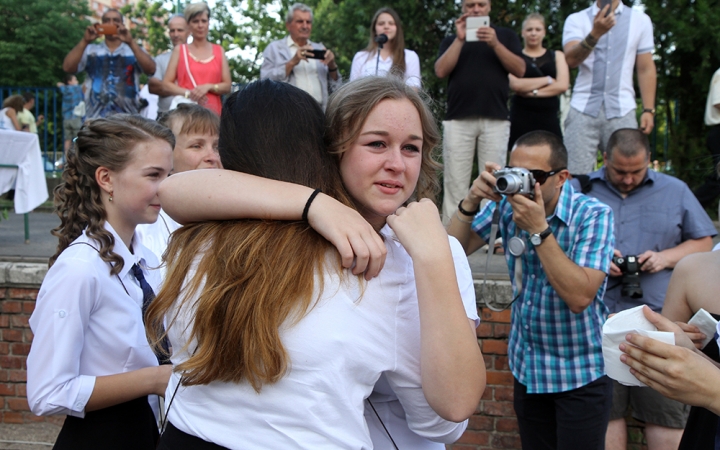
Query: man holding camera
[562, 243]
[300, 62]
[113, 67]
[658, 221]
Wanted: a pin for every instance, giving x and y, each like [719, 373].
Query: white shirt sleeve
[573, 29]
[357, 64]
[59, 323]
[465, 280]
[646, 43]
[412, 69]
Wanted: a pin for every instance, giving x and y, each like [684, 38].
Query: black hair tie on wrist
[308, 203]
[468, 213]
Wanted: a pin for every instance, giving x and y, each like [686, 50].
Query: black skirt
[175, 439]
[127, 426]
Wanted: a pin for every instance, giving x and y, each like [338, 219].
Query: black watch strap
[546, 233]
[468, 213]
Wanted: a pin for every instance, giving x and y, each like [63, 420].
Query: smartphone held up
[106, 29]
[472, 25]
[315, 54]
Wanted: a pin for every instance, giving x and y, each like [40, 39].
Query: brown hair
[16, 102]
[349, 107]
[195, 119]
[398, 65]
[109, 143]
[534, 16]
[250, 276]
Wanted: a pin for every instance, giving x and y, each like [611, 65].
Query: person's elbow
[440, 71]
[579, 303]
[155, 86]
[518, 69]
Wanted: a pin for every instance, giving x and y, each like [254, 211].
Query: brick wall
[19, 284]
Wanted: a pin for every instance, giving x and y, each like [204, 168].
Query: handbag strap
[187, 65]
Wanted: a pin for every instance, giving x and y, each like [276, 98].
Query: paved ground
[30, 436]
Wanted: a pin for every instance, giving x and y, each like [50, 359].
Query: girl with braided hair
[90, 358]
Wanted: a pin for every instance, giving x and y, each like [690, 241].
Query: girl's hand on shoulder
[418, 227]
[355, 239]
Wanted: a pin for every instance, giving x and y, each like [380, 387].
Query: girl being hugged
[90, 357]
[314, 339]
[394, 57]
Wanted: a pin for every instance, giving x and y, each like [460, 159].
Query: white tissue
[707, 324]
[614, 331]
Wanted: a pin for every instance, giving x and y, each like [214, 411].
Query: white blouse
[386, 415]
[337, 353]
[363, 65]
[86, 325]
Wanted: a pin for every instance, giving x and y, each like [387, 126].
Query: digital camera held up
[514, 180]
[630, 281]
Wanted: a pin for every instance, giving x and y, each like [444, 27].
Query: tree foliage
[35, 36]
[687, 45]
[149, 24]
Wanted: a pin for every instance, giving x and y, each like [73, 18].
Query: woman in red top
[198, 71]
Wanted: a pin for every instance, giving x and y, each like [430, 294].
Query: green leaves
[35, 36]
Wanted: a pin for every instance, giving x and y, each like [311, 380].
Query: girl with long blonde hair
[272, 332]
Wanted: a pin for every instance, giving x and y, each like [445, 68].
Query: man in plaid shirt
[562, 396]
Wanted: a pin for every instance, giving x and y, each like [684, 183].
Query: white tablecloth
[23, 150]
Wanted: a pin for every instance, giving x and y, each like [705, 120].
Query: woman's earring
[111, 194]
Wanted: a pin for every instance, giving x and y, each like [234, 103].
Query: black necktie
[149, 296]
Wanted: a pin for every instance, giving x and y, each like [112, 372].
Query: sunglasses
[541, 176]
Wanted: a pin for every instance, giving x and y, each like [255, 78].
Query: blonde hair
[195, 119]
[109, 143]
[349, 107]
[534, 16]
[194, 9]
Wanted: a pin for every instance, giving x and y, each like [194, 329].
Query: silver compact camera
[514, 180]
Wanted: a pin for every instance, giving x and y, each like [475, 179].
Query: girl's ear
[104, 179]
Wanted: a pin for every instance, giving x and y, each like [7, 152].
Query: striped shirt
[551, 349]
[606, 75]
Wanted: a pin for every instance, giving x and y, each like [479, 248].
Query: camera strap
[517, 286]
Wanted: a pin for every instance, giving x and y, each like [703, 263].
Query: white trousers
[460, 140]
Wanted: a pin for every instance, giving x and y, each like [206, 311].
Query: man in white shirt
[709, 191]
[291, 59]
[605, 44]
[179, 32]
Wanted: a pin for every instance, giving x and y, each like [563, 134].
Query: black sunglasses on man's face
[541, 176]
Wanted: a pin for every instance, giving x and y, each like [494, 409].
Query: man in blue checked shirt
[659, 220]
[562, 396]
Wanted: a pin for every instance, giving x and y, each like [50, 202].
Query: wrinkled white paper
[707, 324]
[614, 331]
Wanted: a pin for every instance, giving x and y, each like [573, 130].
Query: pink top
[204, 73]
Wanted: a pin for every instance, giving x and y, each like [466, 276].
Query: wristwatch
[538, 238]
[649, 110]
[535, 91]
